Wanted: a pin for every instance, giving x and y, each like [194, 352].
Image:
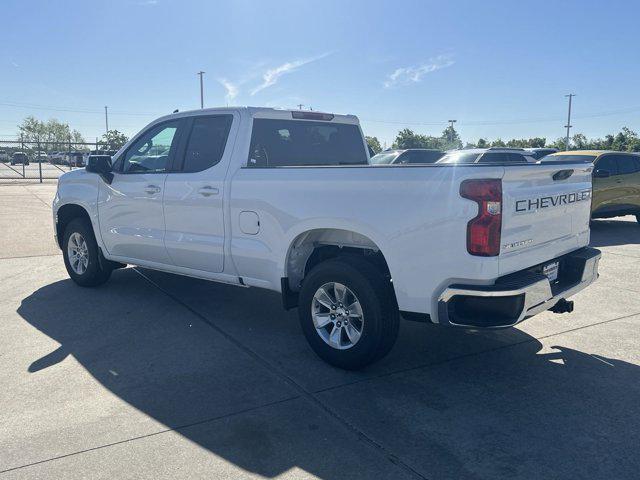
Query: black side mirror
[101, 164]
[601, 173]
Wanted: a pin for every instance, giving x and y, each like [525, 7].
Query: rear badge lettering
[521, 243]
[532, 204]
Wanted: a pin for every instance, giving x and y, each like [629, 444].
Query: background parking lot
[160, 376]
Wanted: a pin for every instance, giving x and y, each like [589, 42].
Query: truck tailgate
[545, 213]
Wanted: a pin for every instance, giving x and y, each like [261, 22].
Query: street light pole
[106, 118]
[568, 125]
[201, 90]
[451, 122]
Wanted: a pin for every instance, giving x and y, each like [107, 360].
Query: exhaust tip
[563, 306]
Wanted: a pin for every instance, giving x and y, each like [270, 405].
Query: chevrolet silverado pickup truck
[287, 201]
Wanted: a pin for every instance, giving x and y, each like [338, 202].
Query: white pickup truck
[287, 200]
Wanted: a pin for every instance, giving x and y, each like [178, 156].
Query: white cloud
[271, 76]
[231, 88]
[414, 74]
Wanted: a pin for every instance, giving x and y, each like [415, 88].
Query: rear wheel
[82, 255]
[348, 313]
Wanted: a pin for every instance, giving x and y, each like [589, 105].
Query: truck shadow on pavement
[608, 233]
[512, 411]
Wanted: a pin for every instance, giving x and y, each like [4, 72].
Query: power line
[480, 123]
[71, 110]
[516, 121]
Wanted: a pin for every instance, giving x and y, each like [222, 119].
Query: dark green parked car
[616, 181]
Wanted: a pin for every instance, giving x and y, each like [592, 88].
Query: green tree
[115, 139]
[374, 144]
[58, 134]
[537, 142]
[498, 143]
[580, 141]
[407, 138]
[482, 143]
[449, 139]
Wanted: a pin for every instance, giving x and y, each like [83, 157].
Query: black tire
[98, 270]
[379, 308]
[638, 218]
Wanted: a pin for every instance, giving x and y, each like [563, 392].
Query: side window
[626, 164]
[405, 157]
[151, 152]
[416, 157]
[295, 143]
[609, 164]
[494, 157]
[206, 143]
[517, 158]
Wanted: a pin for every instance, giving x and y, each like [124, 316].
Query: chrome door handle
[208, 191]
[151, 189]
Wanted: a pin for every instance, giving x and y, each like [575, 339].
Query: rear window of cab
[295, 143]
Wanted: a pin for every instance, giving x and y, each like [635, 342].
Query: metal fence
[39, 161]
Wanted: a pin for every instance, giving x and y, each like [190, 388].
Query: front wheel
[82, 256]
[348, 313]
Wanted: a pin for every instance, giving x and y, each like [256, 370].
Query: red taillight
[483, 231]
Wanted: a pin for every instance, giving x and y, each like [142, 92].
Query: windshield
[384, 158]
[459, 157]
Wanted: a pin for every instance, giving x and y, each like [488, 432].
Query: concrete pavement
[160, 376]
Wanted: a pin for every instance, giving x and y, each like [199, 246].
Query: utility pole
[201, 90]
[106, 118]
[568, 125]
[451, 122]
[300, 106]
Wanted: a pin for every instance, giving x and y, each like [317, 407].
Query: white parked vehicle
[286, 200]
[500, 155]
[74, 158]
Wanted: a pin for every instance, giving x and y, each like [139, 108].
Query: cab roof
[270, 113]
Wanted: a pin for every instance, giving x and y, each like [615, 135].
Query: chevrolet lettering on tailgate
[532, 204]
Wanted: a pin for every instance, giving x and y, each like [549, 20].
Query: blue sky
[501, 68]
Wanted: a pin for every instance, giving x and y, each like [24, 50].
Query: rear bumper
[517, 296]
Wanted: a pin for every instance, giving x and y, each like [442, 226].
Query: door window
[609, 164]
[151, 152]
[206, 143]
[626, 164]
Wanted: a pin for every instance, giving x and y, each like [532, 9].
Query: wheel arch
[315, 245]
[65, 214]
